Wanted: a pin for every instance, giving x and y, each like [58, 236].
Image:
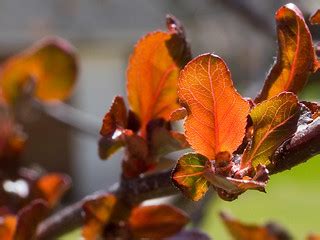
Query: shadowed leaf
[314, 108]
[28, 219]
[50, 64]
[274, 121]
[156, 222]
[217, 114]
[153, 73]
[7, 227]
[52, 187]
[178, 114]
[296, 55]
[188, 176]
[97, 214]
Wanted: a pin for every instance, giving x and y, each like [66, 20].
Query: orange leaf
[153, 73]
[315, 18]
[50, 64]
[7, 227]
[52, 187]
[156, 222]
[217, 114]
[97, 214]
[296, 55]
[241, 231]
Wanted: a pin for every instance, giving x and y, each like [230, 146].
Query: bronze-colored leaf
[156, 222]
[296, 55]
[315, 17]
[274, 121]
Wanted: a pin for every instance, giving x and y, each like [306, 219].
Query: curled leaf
[188, 176]
[217, 114]
[156, 222]
[52, 187]
[97, 214]
[153, 73]
[274, 121]
[296, 56]
[50, 64]
[178, 114]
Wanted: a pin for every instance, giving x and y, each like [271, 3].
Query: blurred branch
[70, 116]
[301, 147]
[251, 16]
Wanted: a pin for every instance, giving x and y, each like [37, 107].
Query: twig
[70, 116]
[301, 147]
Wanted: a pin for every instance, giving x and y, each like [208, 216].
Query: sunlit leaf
[153, 73]
[217, 114]
[274, 121]
[97, 214]
[7, 227]
[50, 64]
[296, 55]
[156, 222]
[188, 176]
[52, 186]
[29, 218]
[241, 231]
[315, 18]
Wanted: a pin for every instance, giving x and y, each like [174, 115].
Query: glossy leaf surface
[217, 114]
[153, 73]
[51, 67]
[156, 222]
[296, 56]
[274, 121]
[188, 176]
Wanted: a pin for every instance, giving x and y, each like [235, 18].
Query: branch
[301, 147]
[136, 190]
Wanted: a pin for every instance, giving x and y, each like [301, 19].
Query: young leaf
[296, 55]
[188, 176]
[241, 231]
[315, 18]
[153, 73]
[156, 222]
[97, 214]
[217, 114]
[28, 219]
[7, 227]
[52, 187]
[274, 121]
[50, 64]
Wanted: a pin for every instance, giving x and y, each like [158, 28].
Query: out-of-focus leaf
[188, 176]
[313, 236]
[241, 231]
[97, 214]
[156, 222]
[217, 114]
[296, 55]
[153, 73]
[315, 18]
[274, 121]
[52, 186]
[7, 227]
[28, 219]
[178, 114]
[193, 234]
[50, 64]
